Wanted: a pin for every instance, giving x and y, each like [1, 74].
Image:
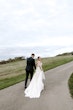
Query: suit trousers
[27, 76]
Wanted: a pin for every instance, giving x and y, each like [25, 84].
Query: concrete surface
[55, 96]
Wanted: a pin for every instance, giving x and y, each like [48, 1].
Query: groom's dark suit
[29, 69]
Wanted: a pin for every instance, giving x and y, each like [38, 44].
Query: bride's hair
[38, 57]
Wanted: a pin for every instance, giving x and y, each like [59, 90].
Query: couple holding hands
[36, 81]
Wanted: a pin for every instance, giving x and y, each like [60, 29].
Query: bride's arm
[41, 68]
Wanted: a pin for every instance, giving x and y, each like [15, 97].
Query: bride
[36, 85]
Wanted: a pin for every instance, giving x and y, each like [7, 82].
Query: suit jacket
[30, 64]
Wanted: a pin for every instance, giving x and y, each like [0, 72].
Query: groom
[30, 68]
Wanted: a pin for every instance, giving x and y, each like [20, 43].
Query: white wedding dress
[36, 85]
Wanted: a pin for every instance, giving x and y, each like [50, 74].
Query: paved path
[55, 96]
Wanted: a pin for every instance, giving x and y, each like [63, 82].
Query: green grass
[70, 83]
[14, 72]
[11, 81]
[55, 61]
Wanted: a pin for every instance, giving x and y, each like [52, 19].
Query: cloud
[32, 15]
[25, 23]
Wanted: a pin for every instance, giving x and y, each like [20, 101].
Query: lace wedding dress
[36, 85]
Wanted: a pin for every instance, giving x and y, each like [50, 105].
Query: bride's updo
[38, 58]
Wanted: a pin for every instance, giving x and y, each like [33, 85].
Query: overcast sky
[26, 23]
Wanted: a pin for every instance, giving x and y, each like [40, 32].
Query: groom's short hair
[33, 54]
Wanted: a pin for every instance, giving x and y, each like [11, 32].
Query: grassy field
[70, 82]
[14, 72]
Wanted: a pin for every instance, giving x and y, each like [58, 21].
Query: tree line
[12, 60]
[64, 54]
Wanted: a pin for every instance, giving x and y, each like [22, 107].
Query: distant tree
[12, 60]
[64, 54]
[20, 58]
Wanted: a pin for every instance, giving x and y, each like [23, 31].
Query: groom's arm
[34, 64]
